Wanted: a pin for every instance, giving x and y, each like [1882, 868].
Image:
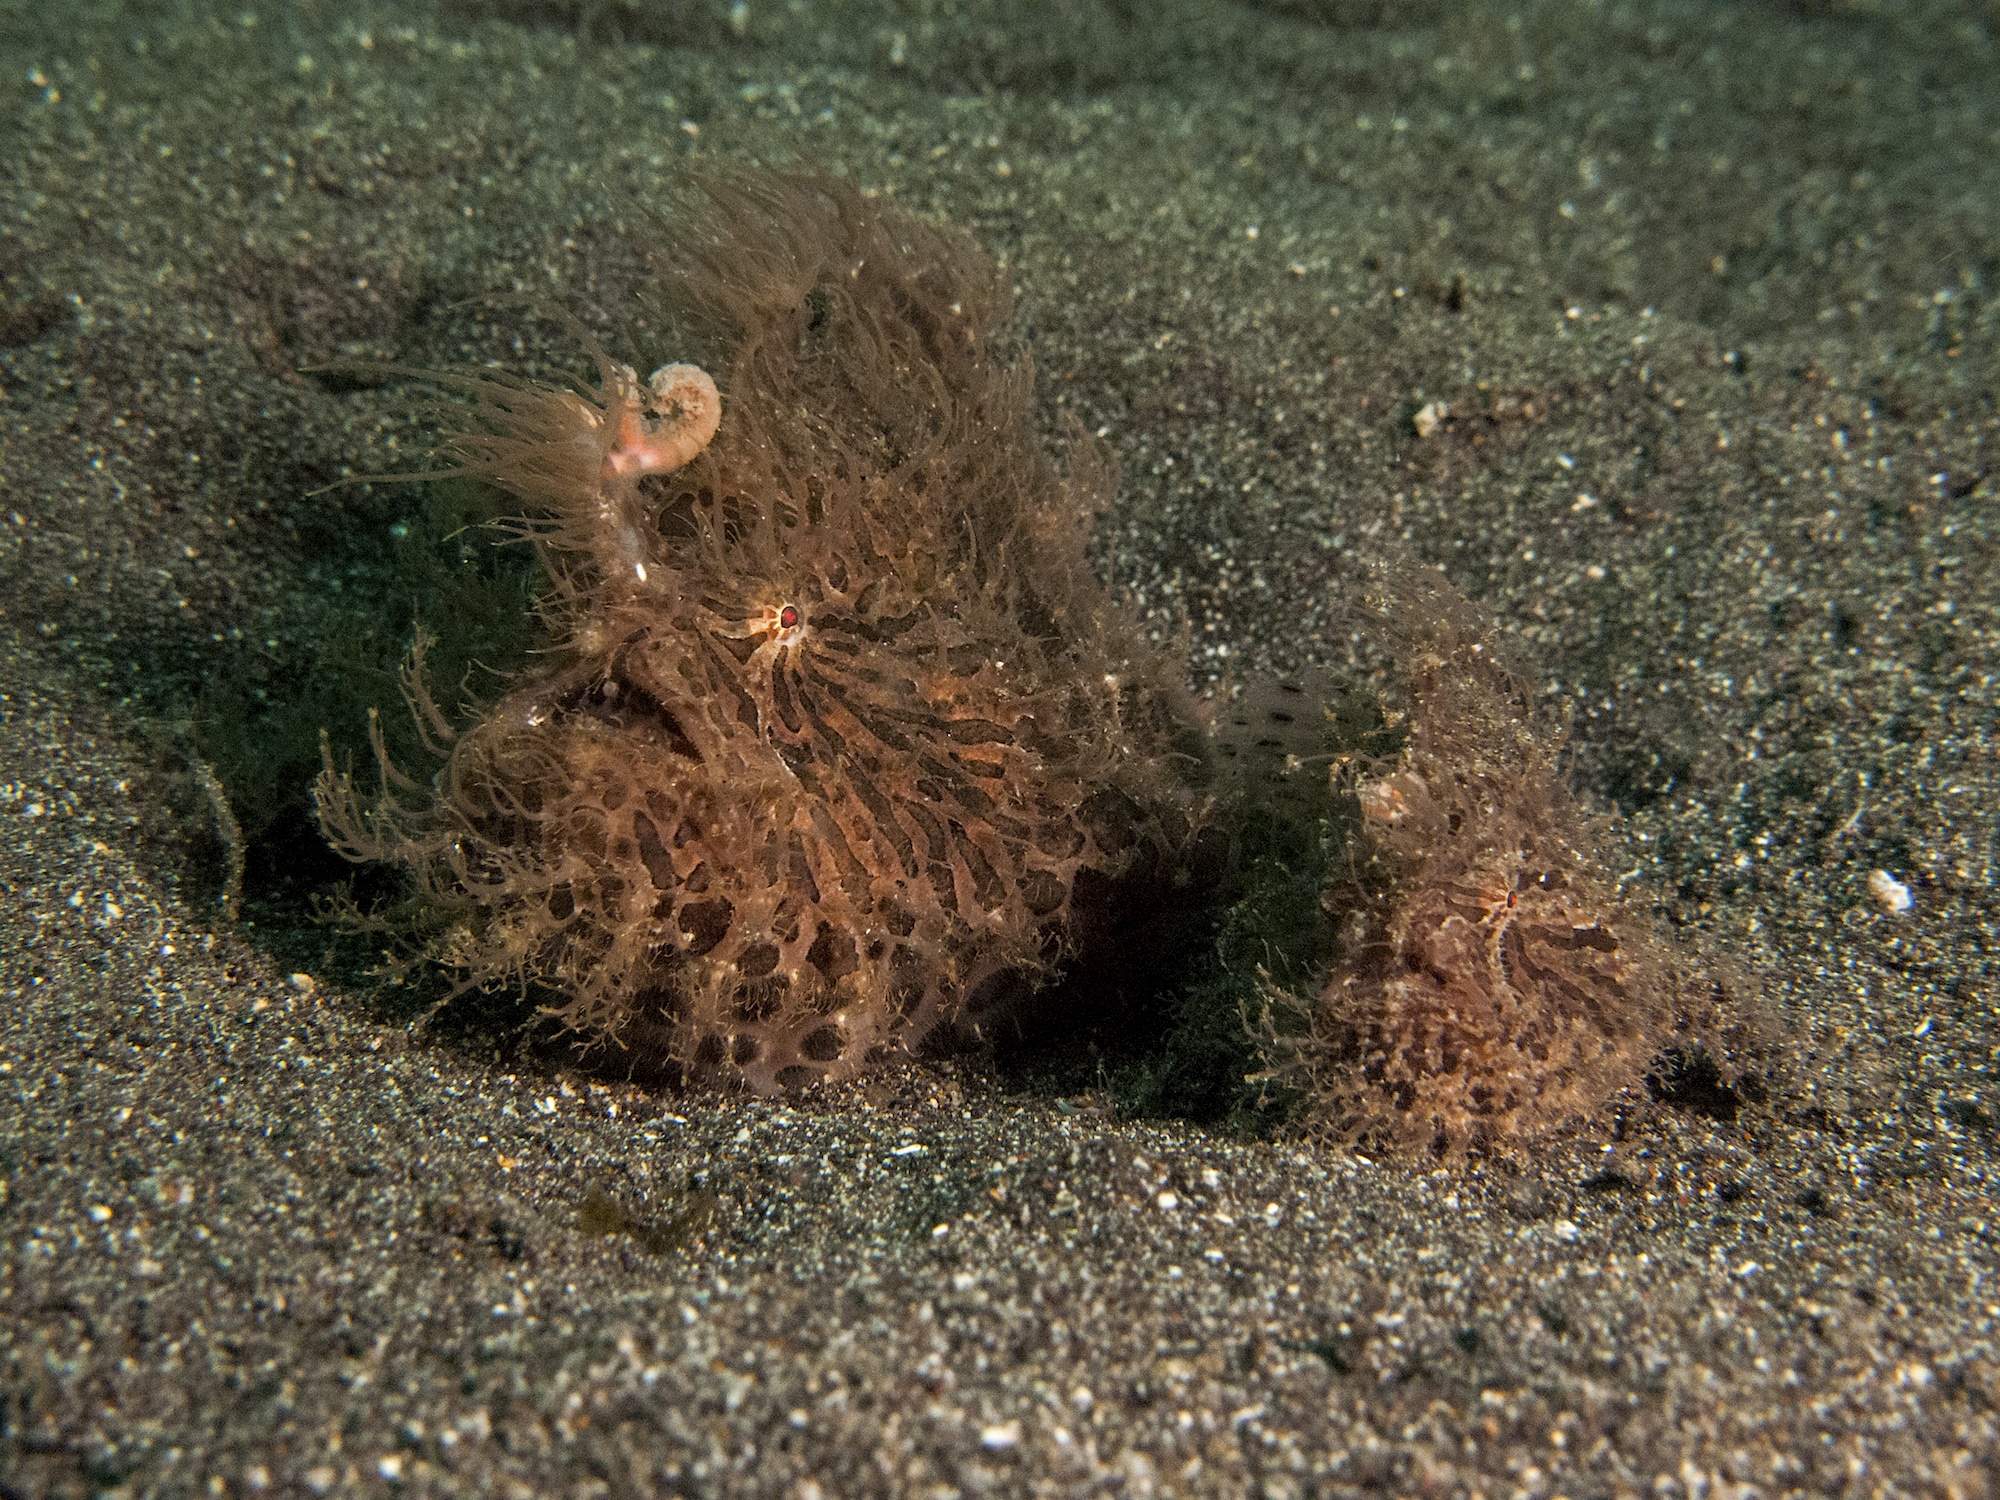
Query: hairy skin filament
[840, 745]
[1493, 988]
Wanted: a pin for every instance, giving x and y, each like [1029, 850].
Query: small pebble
[1889, 893]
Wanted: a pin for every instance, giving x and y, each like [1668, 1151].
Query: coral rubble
[841, 737]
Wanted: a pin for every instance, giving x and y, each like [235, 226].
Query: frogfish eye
[788, 617]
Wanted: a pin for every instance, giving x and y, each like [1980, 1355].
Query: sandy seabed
[1666, 331]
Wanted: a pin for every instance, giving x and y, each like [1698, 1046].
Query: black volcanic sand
[1701, 302]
